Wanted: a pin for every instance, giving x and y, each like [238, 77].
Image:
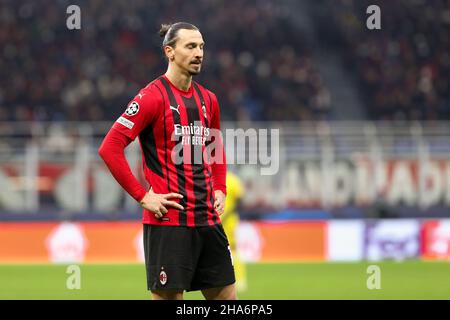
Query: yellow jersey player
[230, 222]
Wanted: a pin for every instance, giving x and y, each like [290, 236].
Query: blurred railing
[54, 169]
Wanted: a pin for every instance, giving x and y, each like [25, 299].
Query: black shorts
[187, 258]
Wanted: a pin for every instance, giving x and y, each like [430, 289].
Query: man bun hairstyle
[169, 32]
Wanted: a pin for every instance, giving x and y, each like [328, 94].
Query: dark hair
[169, 32]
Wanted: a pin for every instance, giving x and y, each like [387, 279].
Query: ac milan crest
[163, 277]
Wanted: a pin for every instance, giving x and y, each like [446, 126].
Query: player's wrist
[141, 197]
[223, 189]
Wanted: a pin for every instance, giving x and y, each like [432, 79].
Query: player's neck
[179, 79]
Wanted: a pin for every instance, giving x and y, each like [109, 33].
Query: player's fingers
[163, 210]
[173, 195]
[158, 214]
[173, 204]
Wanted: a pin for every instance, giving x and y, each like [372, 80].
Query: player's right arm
[140, 112]
[112, 152]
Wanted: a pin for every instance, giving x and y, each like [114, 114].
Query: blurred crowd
[404, 68]
[255, 61]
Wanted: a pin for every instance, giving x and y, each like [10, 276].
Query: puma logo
[175, 108]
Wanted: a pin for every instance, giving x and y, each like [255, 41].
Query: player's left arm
[219, 167]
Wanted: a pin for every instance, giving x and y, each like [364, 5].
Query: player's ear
[170, 54]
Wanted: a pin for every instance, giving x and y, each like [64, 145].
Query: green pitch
[405, 280]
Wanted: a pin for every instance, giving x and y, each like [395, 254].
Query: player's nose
[199, 53]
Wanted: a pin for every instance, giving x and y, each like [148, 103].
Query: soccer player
[230, 221]
[184, 242]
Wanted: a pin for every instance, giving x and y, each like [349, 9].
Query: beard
[194, 69]
[194, 72]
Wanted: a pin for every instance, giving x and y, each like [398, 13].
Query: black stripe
[149, 148]
[198, 175]
[179, 167]
[202, 101]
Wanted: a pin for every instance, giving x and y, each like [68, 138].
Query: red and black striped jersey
[173, 128]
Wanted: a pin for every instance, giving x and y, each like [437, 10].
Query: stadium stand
[255, 63]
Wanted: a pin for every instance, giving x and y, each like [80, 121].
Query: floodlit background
[363, 154]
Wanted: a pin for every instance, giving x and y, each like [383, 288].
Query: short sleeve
[140, 112]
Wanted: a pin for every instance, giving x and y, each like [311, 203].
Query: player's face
[188, 52]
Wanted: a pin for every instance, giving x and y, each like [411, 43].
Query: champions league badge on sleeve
[132, 109]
